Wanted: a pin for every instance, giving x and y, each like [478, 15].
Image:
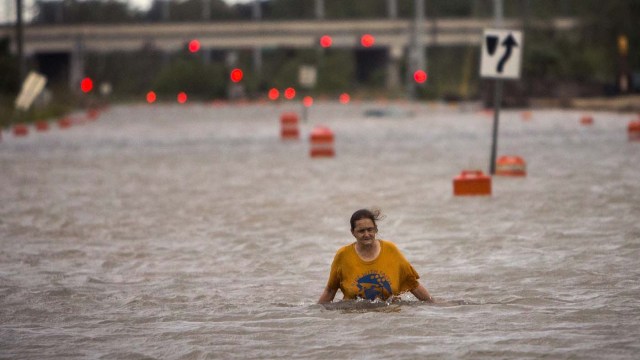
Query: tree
[90, 11]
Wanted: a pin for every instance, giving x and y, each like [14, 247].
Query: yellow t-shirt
[390, 273]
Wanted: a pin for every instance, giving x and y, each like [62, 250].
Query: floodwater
[194, 232]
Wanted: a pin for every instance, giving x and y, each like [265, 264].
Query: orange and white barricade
[322, 142]
[471, 182]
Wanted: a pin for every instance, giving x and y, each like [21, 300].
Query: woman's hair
[373, 215]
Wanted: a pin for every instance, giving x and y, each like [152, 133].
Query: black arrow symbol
[509, 43]
[492, 42]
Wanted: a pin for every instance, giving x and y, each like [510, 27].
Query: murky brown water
[193, 232]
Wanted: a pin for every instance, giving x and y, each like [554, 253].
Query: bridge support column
[76, 72]
[393, 68]
[257, 63]
[235, 91]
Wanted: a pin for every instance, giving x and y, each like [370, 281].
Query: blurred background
[369, 48]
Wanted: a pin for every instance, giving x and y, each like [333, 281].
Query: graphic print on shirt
[373, 285]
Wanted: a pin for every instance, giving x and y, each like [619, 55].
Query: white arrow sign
[501, 54]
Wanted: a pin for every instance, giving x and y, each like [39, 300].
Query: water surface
[194, 232]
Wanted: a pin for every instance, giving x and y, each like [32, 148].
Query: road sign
[307, 76]
[501, 54]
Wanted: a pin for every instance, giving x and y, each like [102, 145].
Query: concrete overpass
[393, 35]
[263, 34]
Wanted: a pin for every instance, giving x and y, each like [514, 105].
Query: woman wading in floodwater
[371, 268]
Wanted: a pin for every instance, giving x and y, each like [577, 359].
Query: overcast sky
[8, 8]
[143, 4]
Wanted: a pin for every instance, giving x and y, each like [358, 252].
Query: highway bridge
[258, 34]
[392, 35]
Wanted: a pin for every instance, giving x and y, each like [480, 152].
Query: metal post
[416, 50]
[206, 10]
[256, 10]
[497, 99]
[320, 9]
[77, 64]
[392, 9]
[257, 51]
[496, 118]
[166, 10]
[20, 40]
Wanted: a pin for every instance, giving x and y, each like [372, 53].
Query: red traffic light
[274, 94]
[151, 97]
[194, 45]
[86, 85]
[307, 101]
[420, 76]
[289, 93]
[236, 75]
[326, 41]
[345, 98]
[182, 97]
[367, 40]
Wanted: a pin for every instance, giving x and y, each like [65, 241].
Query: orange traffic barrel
[322, 141]
[64, 123]
[586, 120]
[92, 114]
[42, 126]
[634, 130]
[289, 126]
[511, 166]
[471, 182]
[20, 130]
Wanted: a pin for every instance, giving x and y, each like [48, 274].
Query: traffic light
[367, 40]
[194, 45]
[182, 97]
[326, 41]
[307, 101]
[420, 76]
[274, 94]
[86, 85]
[151, 97]
[289, 93]
[236, 75]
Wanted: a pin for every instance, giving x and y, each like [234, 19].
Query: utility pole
[257, 51]
[206, 10]
[166, 10]
[417, 58]
[319, 9]
[392, 9]
[20, 41]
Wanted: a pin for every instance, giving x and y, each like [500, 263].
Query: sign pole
[497, 100]
[500, 59]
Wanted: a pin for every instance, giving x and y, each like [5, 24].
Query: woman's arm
[327, 295]
[422, 294]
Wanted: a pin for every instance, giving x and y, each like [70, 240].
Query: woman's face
[365, 232]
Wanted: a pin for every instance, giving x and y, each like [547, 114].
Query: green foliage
[291, 9]
[282, 67]
[9, 69]
[336, 72]
[354, 9]
[127, 72]
[194, 77]
[447, 67]
[88, 11]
